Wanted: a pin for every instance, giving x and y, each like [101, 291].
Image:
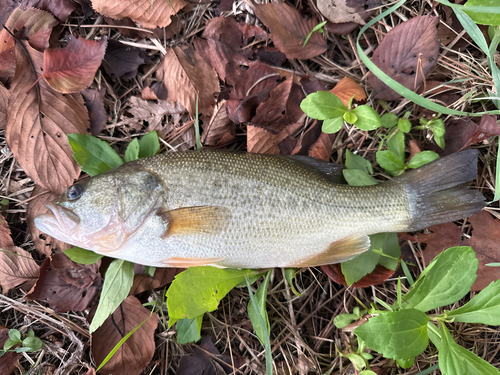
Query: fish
[241, 210]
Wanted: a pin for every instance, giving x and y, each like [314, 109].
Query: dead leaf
[91, 371]
[73, 68]
[347, 88]
[206, 358]
[440, 92]
[37, 124]
[121, 61]
[322, 148]
[9, 360]
[17, 269]
[310, 84]
[45, 244]
[155, 92]
[6, 9]
[5, 237]
[4, 100]
[38, 26]
[66, 285]
[377, 276]
[161, 277]
[342, 11]
[406, 54]
[185, 75]
[308, 138]
[289, 31]
[94, 103]
[61, 9]
[262, 141]
[135, 353]
[271, 56]
[219, 127]
[149, 14]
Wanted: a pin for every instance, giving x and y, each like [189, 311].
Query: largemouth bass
[233, 209]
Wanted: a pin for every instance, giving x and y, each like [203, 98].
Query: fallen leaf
[45, 244]
[406, 54]
[161, 277]
[377, 276]
[73, 68]
[347, 88]
[219, 127]
[308, 138]
[135, 353]
[206, 359]
[61, 9]
[322, 147]
[440, 92]
[149, 14]
[121, 61]
[17, 269]
[9, 360]
[91, 371]
[155, 92]
[6, 9]
[37, 124]
[161, 33]
[343, 11]
[310, 84]
[5, 238]
[186, 75]
[66, 285]
[262, 141]
[271, 56]
[94, 103]
[4, 100]
[289, 31]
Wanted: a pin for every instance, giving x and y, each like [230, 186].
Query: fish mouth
[59, 223]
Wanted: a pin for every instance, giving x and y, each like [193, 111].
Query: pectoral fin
[203, 219]
[190, 262]
[338, 251]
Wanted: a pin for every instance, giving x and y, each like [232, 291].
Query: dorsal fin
[332, 171]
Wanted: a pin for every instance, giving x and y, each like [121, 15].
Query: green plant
[318, 28]
[30, 343]
[402, 331]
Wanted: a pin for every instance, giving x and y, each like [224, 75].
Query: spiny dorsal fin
[330, 170]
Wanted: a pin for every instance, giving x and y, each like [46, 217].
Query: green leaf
[483, 308]
[353, 161]
[483, 18]
[92, 154]
[399, 334]
[15, 335]
[404, 125]
[79, 255]
[149, 145]
[360, 266]
[117, 283]
[449, 278]
[422, 158]
[389, 244]
[355, 177]
[199, 289]
[357, 360]
[9, 343]
[317, 28]
[389, 120]
[343, 320]
[132, 152]
[189, 330]
[405, 363]
[149, 270]
[396, 144]
[390, 162]
[368, 118]
[332, 125]
[440, 142]
[260, 299]
[32, 343]
[456, 360]
[350, 118]
[323, 105]
[289, 276]
[367, 372]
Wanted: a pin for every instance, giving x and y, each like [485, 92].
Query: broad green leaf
[390, 162]
[15, 335]
[343, 320]
[9, 343]
[449, 279]
[117, 283]
[355, 177]
[132, 152]
[199, 289]
[389, 244]
[405, 363]
[358, 267]
[483, 308]
[483, 18]
[396, 144]
[79, 255]
[92, 154]
[422, 158]
[353, 161]
[149, 270]
[404, 125]
[332, 125]
[323, 105]
[440, 142]
[189, 330]
[149, 145]
[357, 360]
[350, 118]
[32, 343]
[389, 120]
[260, 298]
[456, 360]
[399, 334]
[289, 276]
[368, 118]
[367, 372]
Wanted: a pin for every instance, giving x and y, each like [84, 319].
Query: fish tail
[437, 193]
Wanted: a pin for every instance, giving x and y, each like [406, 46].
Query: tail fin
[437, 193]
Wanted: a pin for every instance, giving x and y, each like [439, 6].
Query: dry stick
[228, 337]
[110, 26]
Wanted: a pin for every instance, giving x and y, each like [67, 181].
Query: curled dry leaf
[406, 55]
[162, 277]
[95, 106]
[73, 68]
[135, 353]
[17, 268]
[66, 285]
[37, 123]
[347, 88]
[9, 360]
[289, 31]
[262, 141]
[220, 127]
[147, 13]
[185, 75]
[37, 26]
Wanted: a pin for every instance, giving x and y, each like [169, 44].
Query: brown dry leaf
[9, 360]
[220, 127]
[73, 68]
[149, 14]
[61, 9]
[347, 88]
[91, 371]
[5, 238]
[17, 268]
[135, 353]
[66, 285]
[377, 276]
[343, 11]
[308, 138]
[406, 54]
[322, 148]
[185, 75]
[94, 103]
[155, 92]
[289, 31]
[38, 26]
[121, 61]
[262, 141]
[4, 102]
[162, 277]
[37, 124]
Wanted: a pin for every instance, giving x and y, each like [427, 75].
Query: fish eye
[75, 192]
